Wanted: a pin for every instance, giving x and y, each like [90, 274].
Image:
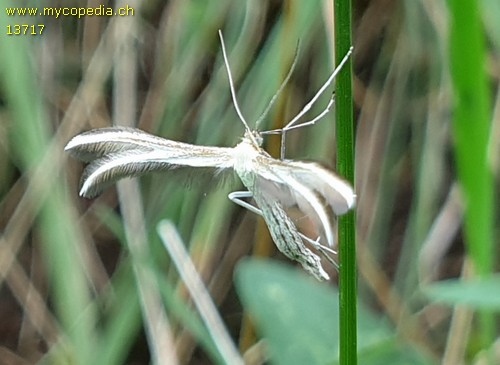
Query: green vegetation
[89, 282]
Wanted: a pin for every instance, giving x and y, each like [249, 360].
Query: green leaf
[299, 320]
[481, 293]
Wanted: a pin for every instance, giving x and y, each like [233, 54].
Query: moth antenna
[281, 88]
[233, 92]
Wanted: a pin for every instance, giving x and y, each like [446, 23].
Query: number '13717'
[25, 29]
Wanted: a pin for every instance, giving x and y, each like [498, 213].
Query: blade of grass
[345, 167]
[57, 222]
[199, 293]
[156, 321]
[471, 128]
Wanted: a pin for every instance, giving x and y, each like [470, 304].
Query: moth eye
[258, 138]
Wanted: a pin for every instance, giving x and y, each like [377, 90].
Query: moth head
[254, 136]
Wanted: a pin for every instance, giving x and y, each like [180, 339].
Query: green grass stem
[471, 127]
[345, 167]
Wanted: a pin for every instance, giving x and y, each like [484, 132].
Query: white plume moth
[274, 184]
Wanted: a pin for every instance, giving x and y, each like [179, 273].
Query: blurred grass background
[71, 293]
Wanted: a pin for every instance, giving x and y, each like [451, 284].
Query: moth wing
[100, 142]
[276, 181]
[333, 189]
[116, 153]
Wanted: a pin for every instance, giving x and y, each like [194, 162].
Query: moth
[274, 184]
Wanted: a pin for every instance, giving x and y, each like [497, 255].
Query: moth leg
[312, 121]
[287, 128]
[292, 124]
[237, 198]
[324, 250]
[318, 245]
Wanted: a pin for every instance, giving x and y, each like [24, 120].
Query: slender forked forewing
[336, 191]
[306, 185]
[99, 142]
[115, 153]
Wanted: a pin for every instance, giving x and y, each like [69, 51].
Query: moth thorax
[245, 161]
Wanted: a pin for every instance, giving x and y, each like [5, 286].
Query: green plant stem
[345, 167]
[471, 127]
